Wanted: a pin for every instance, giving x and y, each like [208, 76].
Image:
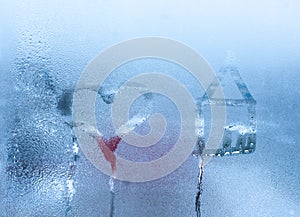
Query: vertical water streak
[70, 188]
[199, 189]
[112, 196]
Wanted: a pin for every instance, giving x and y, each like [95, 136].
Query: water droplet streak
[112, 193]
[199, 189]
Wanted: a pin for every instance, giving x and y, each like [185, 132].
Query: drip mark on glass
[199, 190]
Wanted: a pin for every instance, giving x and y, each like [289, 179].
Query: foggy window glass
[202, 119]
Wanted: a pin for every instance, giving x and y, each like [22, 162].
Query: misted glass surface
[44, 48]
